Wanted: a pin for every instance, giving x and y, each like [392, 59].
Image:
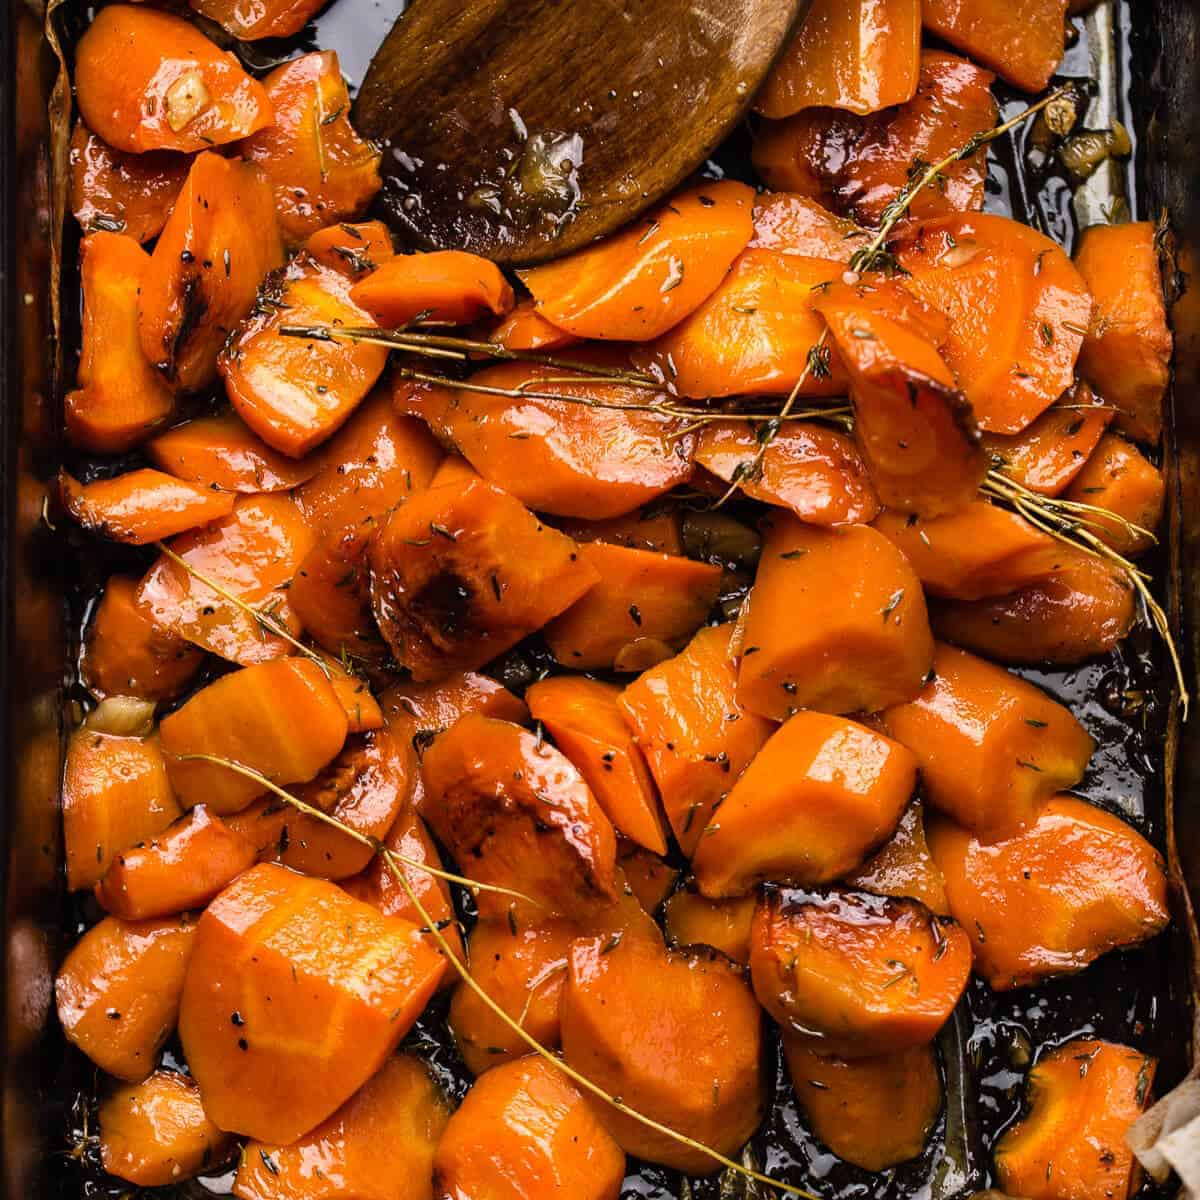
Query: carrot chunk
[903, 866]
[650, 528]
[677, 1035]
[872, 1112]
[295, 996]
[445, 287]
[148, 80]
[860, 975]
[282, 718]
[460, 574]
[353, 248]
[693, 920]
[524, 328]
[156, 1132]
[637, 284]
[363, 714]
[378, 1146]
[584, 718]
[118, 991]
[1049, 900]
[696, 736]
[793, 223]
[273, 18]
[991, 748]
[648, 876]
[1083, 1096]
[819, 797]
[525, 1131]
[219, 242]
[119, 398]
[871, 649]
[1121, 480]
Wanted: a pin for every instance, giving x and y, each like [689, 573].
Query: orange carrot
[362, 710]
[524, 328]
[353, 249]
[648, 876]
[649, 528]
[796, 224]
[446, 287]
[904, 866]
[692, 920]
[274, 18]
[1120, 479]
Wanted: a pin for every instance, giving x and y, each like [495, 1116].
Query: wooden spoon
[521, 129]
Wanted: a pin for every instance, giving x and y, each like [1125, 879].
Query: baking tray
[1148, 67]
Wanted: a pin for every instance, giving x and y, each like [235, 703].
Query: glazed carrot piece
[184, 867]
[1120, 479]
[454, 469]
[321, 171]
[791, 223]
[122, 193]
[1082, 1099]
[872, 1112]
[445, 287]
[649, 528]
[524, 328]
[815, 472]
[142, 506]
[295, 996]
[126, 654]
[149, 80]
[992, 749]
[1048, 901]
[677, 1035]
[584, 719]
[119, 398]
[1017, 310]
[221, 452]
[118, 991]
[871, 649]
[1023, 42]
[156, 1132]
[353, 248]
[252, 554]
[362, 710]
[648, 876]
[519, 815]
[562, 457]
[460, 574]
[860, 56]
[637, 284]
[218, 245]
[693, 920]
[696, 736]
[281, 718]
[818, 798]
[903, 866]
[115, 794]
[525, 1130]
[860, 975]
[275, 18]
[379, 1144]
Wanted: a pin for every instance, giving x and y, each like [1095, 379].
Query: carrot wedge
[690, 919]
[904, 866]
[1119, 479]
[445, 287]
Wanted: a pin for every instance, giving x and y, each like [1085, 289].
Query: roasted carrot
[118, 991]
[149, 80]
[648, 876]
[903, 866]
[860, 975]
[696, 736]
[524, 328]
[992, 749]
[676, 1034]
[354, 249]
[637, 284]
[1121, 480]
[870, 649]
[295, 996]
[1075, 884]
[281, 718]
[819, 797]
[363, 714]
[652, 527]
[274, 18]
[693, 920]
[792, 223]
[445, 287]
[119, 398]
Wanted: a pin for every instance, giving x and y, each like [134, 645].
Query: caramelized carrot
[692, 920]
[149, 80]
[649, 528]
[295, 996]
[354, 249]
[992, 749]
[142, 506]
[281, 718]
[1121, 480]
[446, 287]
[677, 1035]
[362, 710]
[903, 866]
[272, 18]
[118, 991]
[584, 719]
[647, 875]
[119, 398]
[796, 224]
[696, 737]
[1075, 884]
[860, 975]
[870, 649]
[637, 284]
[524, 328]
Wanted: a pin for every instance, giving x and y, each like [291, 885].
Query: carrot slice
[148, 80]
[219, 242]
[796, 224]
[860, 975]
[819, 797]
[274, 18]
[120, 398]
[524, 328]
[362, 710]
[445, 287]
[1121, 480]
[585, 721]
[353, 248]
[156, 1132]
[321, 171]
[649, 877]
[118, 991]
[281, 718]
[677, 1035]
[904, 866]
[637, 284]
[693, 920]
[295, 996]
[649, 528]
[992, 749]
